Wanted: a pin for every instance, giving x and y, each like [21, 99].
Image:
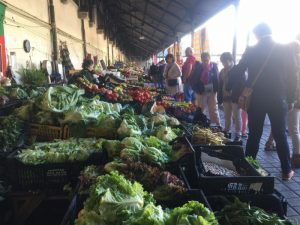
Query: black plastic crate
[230, 150]
[271, 203]
[48, 176]
[252, 183]
[78, 200]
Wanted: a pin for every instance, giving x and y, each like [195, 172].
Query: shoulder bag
[245, 97]
[172, 82]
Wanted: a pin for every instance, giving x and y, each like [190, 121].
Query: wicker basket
[39, 132]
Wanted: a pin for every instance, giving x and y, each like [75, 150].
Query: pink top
[190, 60]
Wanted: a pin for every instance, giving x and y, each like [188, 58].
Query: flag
[2, 40]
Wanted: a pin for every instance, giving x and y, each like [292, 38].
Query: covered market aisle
[93, 131]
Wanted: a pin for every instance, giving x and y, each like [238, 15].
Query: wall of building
[30, 20]
[19, 26]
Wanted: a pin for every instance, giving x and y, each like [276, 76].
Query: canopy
[144, 27]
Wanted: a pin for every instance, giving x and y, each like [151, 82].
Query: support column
[53, 33]
[83, 38]
[234, 45]
[108, 60]
[112, 54]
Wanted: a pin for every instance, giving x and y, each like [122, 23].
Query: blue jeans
[277, 110]
[189, 95]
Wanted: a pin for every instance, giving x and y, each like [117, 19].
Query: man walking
[273, 78]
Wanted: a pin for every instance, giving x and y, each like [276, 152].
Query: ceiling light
[141, 37]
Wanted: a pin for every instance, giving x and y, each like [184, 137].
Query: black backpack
[194, 79]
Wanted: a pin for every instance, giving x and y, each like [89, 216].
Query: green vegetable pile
[149, 150]
[33, 77]
[60, 151]
[61, 98]
[113, 200]
[11, 130]
[240, 213]
[163, 184]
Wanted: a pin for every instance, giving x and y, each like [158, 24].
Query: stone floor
[291, 189]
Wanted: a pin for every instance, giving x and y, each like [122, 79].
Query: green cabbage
[115, 199]
[115, 165]
[132, 142]
[128, 129]
[150, 215]
[155, 156]
[153, 141]
[172, 121]
[192, 213]
[129, 154]
[166, 134]
[113, 147]
[159, 119]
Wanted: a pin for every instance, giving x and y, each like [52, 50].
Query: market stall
[118, 153]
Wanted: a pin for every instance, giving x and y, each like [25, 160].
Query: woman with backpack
[204, 82]
[230, 88]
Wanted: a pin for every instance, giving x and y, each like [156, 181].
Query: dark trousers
[277, 111]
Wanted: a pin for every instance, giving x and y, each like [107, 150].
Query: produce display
[60, 151]
[143, 147]
[11, 132]
[12, 93]
[132, 71]
[183, 106]
[60, 99]
[163, 184]
[33, 77]
[141, 95]
[115, 200]
[241, 213]
[150, 150]
[204, 136]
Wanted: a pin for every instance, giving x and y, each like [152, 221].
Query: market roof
[143, 27]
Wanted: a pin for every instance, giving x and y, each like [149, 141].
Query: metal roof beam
[149, 46]
[147, 14]
[145, 10]
[165, 11]
[137, 18]
[144, 33]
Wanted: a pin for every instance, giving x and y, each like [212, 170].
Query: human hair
[87, 63]
[205, 55]
[170, 56]
[226, 56]
[262, 29]
[190, 49]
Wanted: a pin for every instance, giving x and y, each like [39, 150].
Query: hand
[290, 106]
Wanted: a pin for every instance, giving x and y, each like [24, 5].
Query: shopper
[244, 124]
[153, 73]
[204, 82]
[294, 113]
[187, 70]
[161, 69]
[172, 75]
[270, 64]
[230, 88]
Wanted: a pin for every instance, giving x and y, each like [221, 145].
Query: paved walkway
[291, 189]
